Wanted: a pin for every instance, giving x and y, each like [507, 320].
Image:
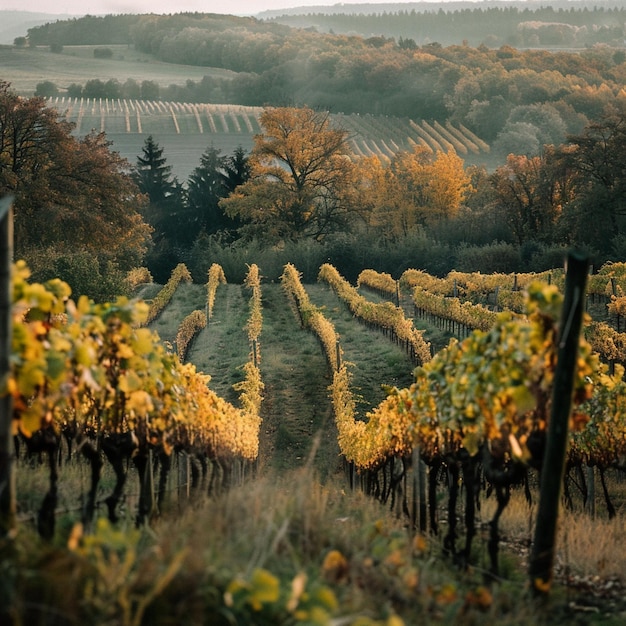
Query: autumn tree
[302, 178]
[416, 189]
[73, 200]
[448, 186]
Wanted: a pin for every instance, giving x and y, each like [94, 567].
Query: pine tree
[215, 178]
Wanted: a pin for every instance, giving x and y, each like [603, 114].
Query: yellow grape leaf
[124, 351]
[129, 382]
[140, 402]
[84, 305]
[265, 588]
[84, 354]
[542, 585]
[8, 386]
[523, 398]
[56, 365]
[30, 377]
[143, 342]
[327, 598]
[471, 442]
[30, 420]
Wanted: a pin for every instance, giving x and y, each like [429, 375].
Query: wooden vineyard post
[7, 481]
[542, 557]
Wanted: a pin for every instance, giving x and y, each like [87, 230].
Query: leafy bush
[102, 53]
[496, 257]
[87, 275]
[46, 89]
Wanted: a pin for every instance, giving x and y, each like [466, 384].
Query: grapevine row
[251, 387]
[216, 277]
[358, 440]
[381, 282]
[311, 316]
[385, 315]
[161, 300]
[191, 325]
[96, 374]
[433, 296]
[487, 400]
[609, 282]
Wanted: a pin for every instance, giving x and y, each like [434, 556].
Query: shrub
[102, 53]
[495, 257]
[46, 89]
[99, 279]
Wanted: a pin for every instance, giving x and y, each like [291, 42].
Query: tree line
[301, 183]
[112, 88]
[573, 25]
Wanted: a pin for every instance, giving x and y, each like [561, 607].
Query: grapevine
[95, 373]
[179, 273]
[188, 329]
[384, 315]
[310, 316]
[216, 277]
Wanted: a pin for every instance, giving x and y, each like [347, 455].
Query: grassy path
[222, 347]
[377, 361]
[297, 405]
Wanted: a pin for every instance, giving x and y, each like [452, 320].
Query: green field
[25, 67]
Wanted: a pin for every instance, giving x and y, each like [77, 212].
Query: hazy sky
[100, 7]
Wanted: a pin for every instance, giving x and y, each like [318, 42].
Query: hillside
[282, 517]
[554, 24]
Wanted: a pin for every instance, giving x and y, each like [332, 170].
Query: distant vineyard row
[369, 134]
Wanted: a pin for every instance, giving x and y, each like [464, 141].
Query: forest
[480, 86]
[575, 24]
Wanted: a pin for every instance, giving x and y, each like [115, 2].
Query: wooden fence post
[542, 557]
[7, 479]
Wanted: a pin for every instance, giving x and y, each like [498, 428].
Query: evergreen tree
[206, 187]
[164, 212]
[166, 195]
[153, 175]
[215, 178]
[237, 169]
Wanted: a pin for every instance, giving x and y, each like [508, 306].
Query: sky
[103, 7]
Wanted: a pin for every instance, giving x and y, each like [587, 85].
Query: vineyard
[317, 377]
[196, 126]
